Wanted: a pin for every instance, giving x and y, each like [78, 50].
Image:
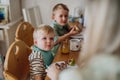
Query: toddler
[41, 56]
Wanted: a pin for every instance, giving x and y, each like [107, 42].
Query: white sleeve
[70, 74]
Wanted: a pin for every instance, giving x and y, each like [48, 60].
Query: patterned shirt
[39, 61]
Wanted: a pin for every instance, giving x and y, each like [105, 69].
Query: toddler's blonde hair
[43, 27]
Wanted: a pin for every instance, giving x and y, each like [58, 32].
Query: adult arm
[53, 72]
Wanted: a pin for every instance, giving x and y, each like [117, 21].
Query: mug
[74, 44]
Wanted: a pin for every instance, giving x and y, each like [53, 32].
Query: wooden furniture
[63, 57]
[16, 65]
[24, 32]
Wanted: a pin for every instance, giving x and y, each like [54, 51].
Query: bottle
[81, 19]
[65, 47]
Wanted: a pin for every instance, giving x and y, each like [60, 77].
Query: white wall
[15, 10]
[47, 5]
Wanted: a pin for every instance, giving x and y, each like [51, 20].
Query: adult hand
[53, 72]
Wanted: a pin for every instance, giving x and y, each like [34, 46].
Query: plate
[68, 66]
[77, 37]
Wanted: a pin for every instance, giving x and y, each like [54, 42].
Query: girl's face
[45, 41]
[61, 16]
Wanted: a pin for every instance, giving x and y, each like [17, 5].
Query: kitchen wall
[47, 5]
[15, 10]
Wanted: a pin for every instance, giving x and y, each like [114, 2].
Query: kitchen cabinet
[7, 31]
[7, 35]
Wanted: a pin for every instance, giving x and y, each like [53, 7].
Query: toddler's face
[61, 16]
[45, 41]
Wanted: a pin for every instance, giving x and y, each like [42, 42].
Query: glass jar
[65, 47]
